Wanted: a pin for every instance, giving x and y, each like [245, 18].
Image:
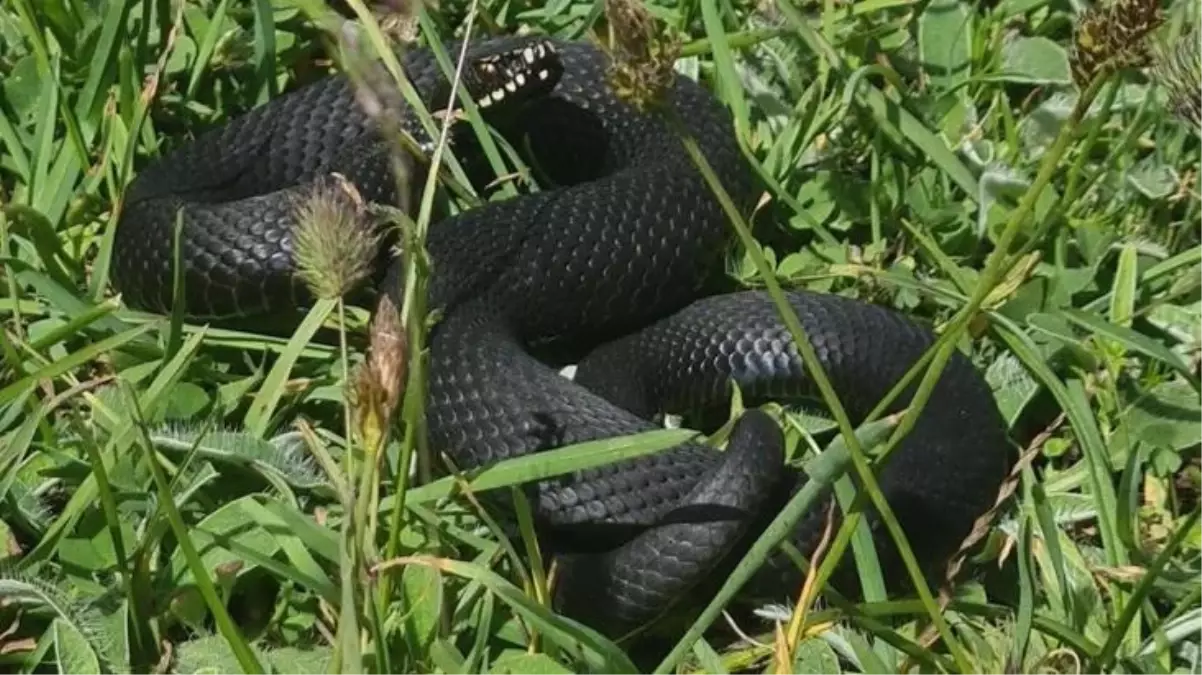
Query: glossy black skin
[614, 264]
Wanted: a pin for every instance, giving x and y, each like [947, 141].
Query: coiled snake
[614, 265]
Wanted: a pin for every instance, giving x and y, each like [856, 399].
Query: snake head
[511, 71]
[499, 74]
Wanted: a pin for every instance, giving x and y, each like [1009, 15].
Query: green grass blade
[258, 417]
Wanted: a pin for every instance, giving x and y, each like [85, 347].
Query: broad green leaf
[1034, 60]
[945, 38]
[1168, 416]
[815, 655]
[1153, 179]
[515, 661]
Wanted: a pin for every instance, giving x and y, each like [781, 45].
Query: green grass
[176, 497]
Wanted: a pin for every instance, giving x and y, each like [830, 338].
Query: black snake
[616, 266]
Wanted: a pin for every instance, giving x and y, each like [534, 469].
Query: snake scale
[616, 266]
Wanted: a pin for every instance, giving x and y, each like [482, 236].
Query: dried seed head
[1179, 70]
[1114, 36]
[336, 242]
[387, 352]
[380, 380]
[644, 57]
[398, 19]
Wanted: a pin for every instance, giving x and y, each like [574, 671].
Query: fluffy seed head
[336, 241]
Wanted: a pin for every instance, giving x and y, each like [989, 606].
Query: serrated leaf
[73, 653]
[211, 655]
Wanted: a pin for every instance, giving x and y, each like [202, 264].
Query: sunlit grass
[175, 496]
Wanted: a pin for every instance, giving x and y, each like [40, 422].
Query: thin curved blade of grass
[29, 223]
[258, 417]
[543, 465]
[247, 658]
[1132, 340]
[730, 86]
[58, 296]
[244, 341]
[1161, 271]
[12, 451]
[89, 105]
[1131, 608]
[43, 137]
[1055, 629]
[1187, 625]
[154, 398]
[488, 145]
[942, 260]
[264, 45]
[238, 540]
[1073, 401]
[569, 636]
[1026, 583]
[74, 325]
[87, 354]
[208, 43]
[868, 563]
[316, 539]
[15, 149]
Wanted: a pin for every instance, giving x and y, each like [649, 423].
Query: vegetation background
[178, 498]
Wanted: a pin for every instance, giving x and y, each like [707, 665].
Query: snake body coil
[613, 266]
